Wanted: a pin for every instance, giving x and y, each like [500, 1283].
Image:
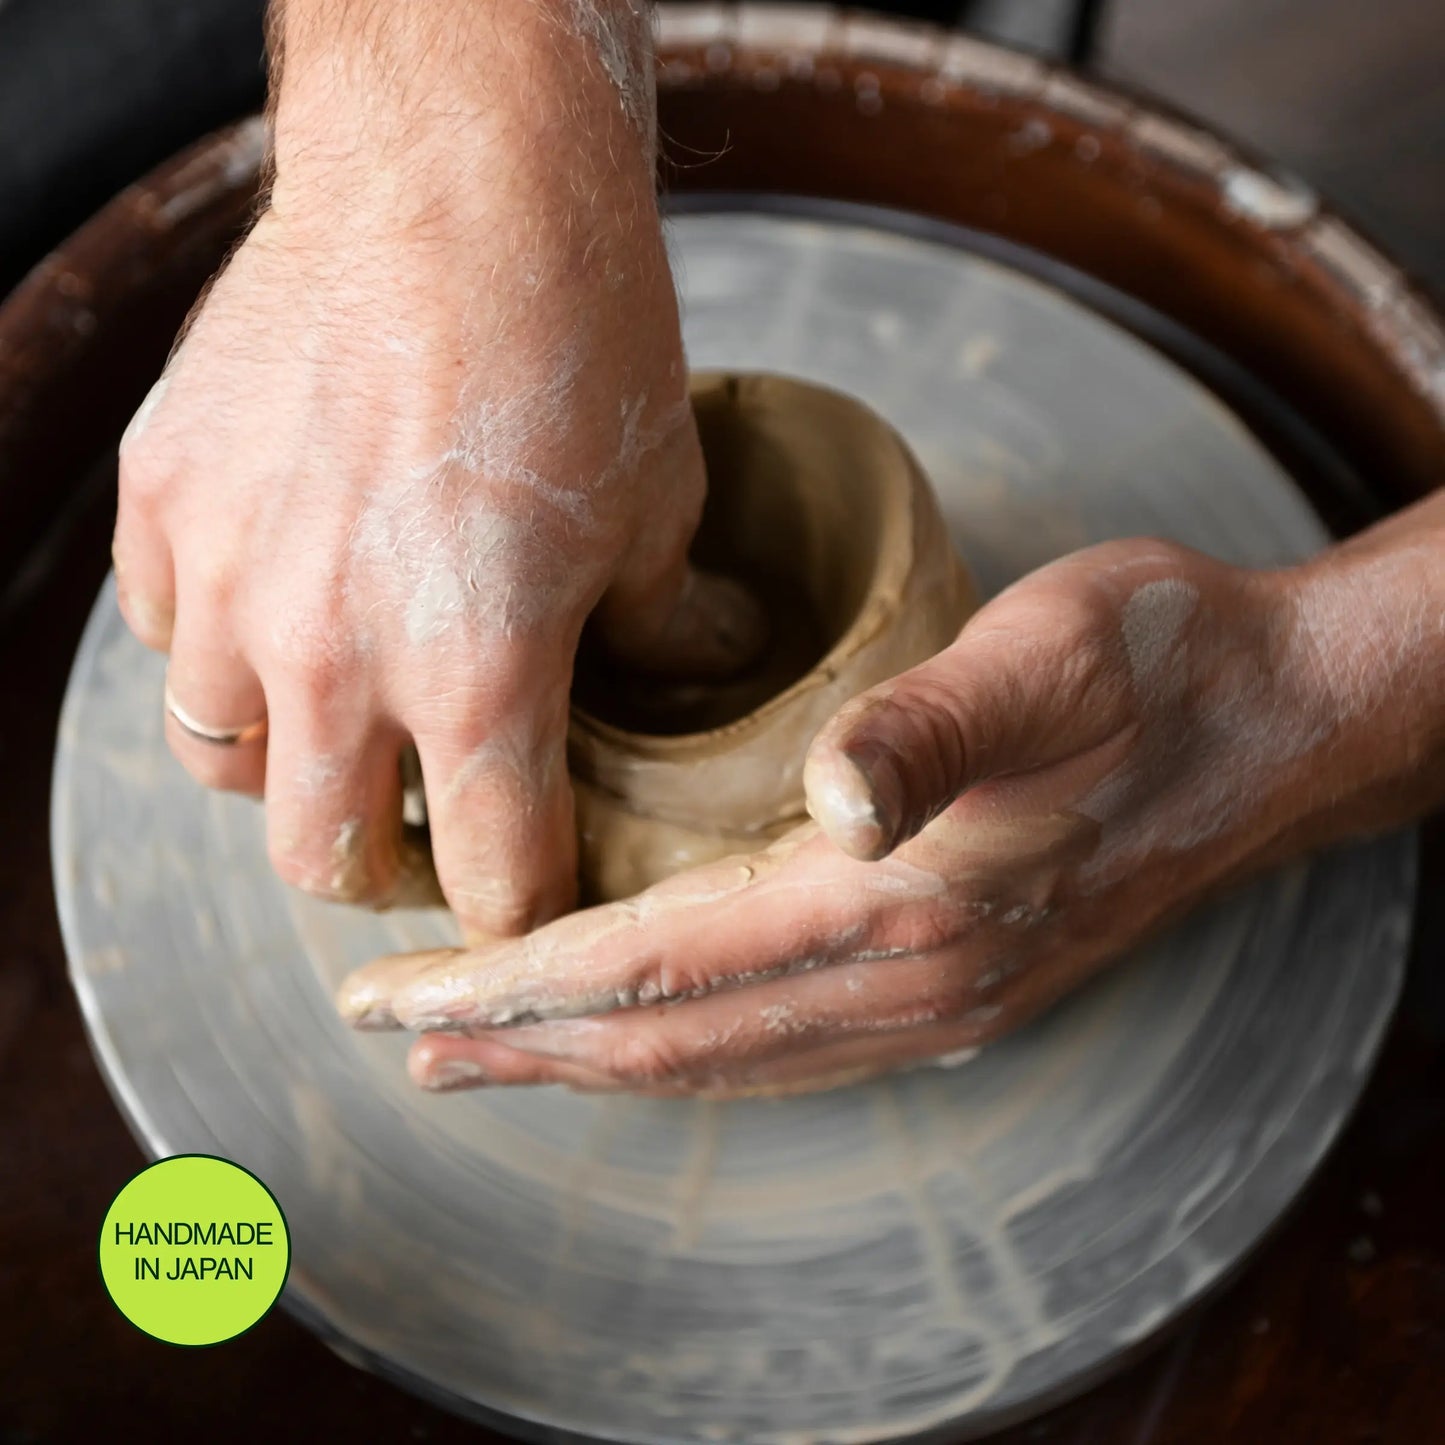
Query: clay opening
[799, 492]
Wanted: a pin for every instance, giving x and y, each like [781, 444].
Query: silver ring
[221, 737]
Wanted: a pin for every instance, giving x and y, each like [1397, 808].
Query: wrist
[1364, 653]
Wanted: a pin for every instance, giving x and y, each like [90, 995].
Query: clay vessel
[818, 504]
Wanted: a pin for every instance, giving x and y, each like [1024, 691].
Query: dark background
[94, 92]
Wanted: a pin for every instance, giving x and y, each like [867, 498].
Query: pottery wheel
[945, 1246]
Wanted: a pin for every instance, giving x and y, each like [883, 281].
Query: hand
[431, 418]
[1108, 740]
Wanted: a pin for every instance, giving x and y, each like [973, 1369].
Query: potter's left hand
[1108, 740]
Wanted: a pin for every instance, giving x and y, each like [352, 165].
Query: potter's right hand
[431, 418]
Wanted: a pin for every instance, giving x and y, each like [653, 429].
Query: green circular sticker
[194, 1250]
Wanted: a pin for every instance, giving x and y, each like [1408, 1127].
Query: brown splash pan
[835, 107]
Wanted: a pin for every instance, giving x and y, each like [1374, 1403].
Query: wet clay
[818, 506]
[820, 509]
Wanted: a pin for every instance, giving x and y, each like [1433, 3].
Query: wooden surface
[1336, 1332]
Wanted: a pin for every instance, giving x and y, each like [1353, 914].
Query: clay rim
[894, 563]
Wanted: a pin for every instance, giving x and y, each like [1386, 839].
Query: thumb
[992, 704]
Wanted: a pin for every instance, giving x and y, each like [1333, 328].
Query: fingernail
[366, 998]
[446, 1075]
[364, 1006]
[856, 797]
[378, 1019]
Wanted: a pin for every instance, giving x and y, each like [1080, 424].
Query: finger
[728, 1036]
[144, 569]
[211, 687]
[145, 584]
[717, 927]
[500, 809]
[662, 614]
[1030, 690]
[806, 1069]
[364, 998]
[447, 1062]
[682, 622]
[1000, 994]
[145, 581]
[851, 1061]
[775, 1039]
[333, 797]
[796, 906]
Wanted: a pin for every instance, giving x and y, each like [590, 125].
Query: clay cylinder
[816, 503]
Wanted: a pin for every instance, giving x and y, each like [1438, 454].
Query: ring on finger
[225, 737]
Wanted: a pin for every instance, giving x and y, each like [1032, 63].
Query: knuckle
[1057, 610]
[500, 674]
[460, 695]
[1152, 555]
[926, 929]
[673, 979]
[144, 476]
[326, 676]
[150, 620]
[139, 429]
[307, 641]
[680, 467]
[1068, 635]
[298, 869]
[1085, 641]
[212, 569]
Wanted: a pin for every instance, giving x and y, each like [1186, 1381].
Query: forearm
[459, 171]
[429, 102]
[1365, 630]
